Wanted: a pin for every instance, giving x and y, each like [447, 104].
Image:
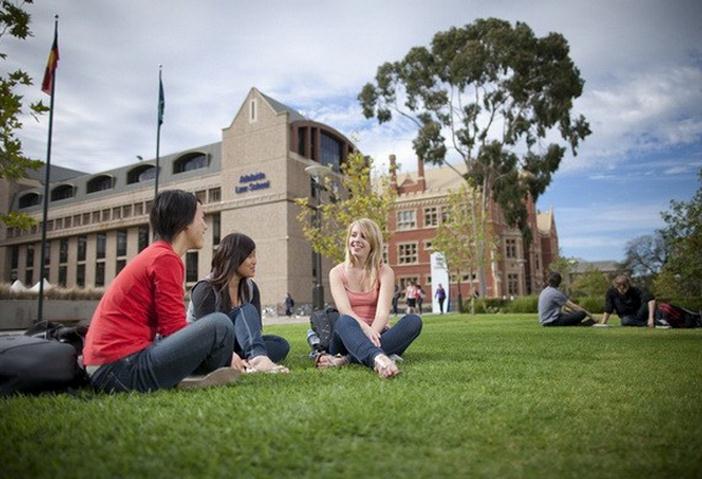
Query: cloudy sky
[641, 62]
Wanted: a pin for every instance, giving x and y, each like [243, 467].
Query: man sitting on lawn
[555, 309]
[634, 306]
[138, 339]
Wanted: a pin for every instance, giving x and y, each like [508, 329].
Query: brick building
[517, 269]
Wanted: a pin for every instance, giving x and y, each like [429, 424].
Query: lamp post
[317, 172]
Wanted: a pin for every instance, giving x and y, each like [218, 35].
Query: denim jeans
[200, 347]
[349, 338]
[638, 319]
[568, 319]
[249, 342]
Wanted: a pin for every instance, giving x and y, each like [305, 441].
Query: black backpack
[45, 359]
[322, 322]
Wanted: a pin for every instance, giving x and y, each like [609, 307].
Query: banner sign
[252, 182]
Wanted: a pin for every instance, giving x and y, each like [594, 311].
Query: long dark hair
[232, 251]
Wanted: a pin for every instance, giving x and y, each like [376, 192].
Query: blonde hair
[371, 232]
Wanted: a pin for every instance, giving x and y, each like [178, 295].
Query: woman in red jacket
[138, 338]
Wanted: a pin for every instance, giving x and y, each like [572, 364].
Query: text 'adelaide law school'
[252, 182]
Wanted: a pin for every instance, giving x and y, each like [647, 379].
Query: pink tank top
[362, 304]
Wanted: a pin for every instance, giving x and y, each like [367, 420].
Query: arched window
[100, 183]
[141, 173]
[61, 192]
[189, 162]
[30, 199]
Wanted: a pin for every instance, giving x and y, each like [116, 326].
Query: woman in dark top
[230, 289]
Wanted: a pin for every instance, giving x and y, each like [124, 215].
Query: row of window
[433, 216]
[138, 174]
[213, 195]
[100, 255]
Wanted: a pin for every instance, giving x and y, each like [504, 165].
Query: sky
[641, 62]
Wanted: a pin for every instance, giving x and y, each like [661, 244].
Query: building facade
[516, 268]
[247, 182]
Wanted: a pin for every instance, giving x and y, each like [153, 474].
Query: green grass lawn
[487, 396]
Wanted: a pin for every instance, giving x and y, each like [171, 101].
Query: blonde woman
[362, 288]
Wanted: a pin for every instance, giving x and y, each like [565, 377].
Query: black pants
[568, 319]
[640, 318]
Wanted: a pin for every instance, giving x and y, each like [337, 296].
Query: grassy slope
[485, 396]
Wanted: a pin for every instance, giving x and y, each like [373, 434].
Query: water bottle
[313, 341]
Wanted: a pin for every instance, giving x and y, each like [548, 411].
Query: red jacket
[144, 299]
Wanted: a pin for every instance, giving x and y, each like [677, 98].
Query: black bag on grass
[31, 365]
[322, 322]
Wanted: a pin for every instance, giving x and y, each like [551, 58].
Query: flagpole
[159, 120]
[47, 175]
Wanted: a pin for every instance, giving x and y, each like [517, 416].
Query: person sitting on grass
[138, 339]
[635, 307]
[230, 289]
[362, 288]
[555, 309]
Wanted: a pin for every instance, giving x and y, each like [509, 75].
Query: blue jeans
[249, 342]
[349, 338]
[200, 347]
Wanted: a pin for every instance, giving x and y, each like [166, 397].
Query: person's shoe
[587, 322]
[218, 377]
[663, 326]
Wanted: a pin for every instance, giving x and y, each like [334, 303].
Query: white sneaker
[663, 326]
[218, 377]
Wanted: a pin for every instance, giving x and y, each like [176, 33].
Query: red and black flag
[51, 64]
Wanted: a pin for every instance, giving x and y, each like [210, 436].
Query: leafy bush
[523, 304]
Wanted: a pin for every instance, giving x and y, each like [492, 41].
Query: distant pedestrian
[440, 296]
[289, 304]
[411, 297]
[396, 293]
[420, 299]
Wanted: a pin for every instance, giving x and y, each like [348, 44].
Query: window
[143, 237]
[62, 192]
[138, 209]
[96, 216]
[147, 206]
[428, 280]
[121, 242]
[512, 284]
[58, 222]
[77, 220]
[67, 221]
[106, 215]
[140, 174]
[126, 211]
[215, 195]
[100, 274]
[30, 199]
[191, 267]
[444, 214]
[431, 216]
[406, 219]
[100, 183]
[119, 265]
[189, 162]
[201, 196]
[82, 247]
[14, 256]
[116, 213]
[100, 245]
[510, 248]
[252, 111]
[80, 275]
[428, 246]
[63, 272]
[216, 229]
[407, 253]
[63, 250]
[86, 218]
[331, 150]
[50, 225]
